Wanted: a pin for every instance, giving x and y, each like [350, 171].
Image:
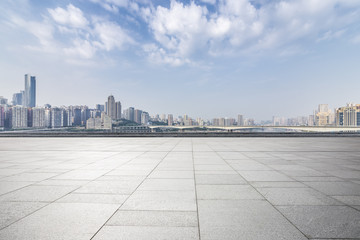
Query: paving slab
[296, 196]
[324, 221]
[147, 233]
[61, 221]
[37, 194]
[224, 179]
[227, 192]
[161, 200]
[244, 219]
[179, 188]
[154, 218]
[11, 212]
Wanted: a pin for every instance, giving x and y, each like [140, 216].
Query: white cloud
[68, 33]
[71, 16]
[111, 36]
[81, 49]
[183, 31]
[208, 1]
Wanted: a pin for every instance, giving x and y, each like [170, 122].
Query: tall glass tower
[29, 99]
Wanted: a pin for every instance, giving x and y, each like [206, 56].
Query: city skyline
[257, 58]
[116, 108]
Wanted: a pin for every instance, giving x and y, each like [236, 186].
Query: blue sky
[208, 58]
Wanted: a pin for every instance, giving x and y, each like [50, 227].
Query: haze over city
[202, 58]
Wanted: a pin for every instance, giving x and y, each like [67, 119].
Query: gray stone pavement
[179, 188]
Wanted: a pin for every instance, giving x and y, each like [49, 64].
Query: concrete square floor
[180, 188]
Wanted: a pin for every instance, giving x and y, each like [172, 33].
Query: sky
[204, 58]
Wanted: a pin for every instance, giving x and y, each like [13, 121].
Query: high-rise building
[58, 118]
[240, 121]
[215, 122]
[322, 116]
[99, 107]
[118, 110]
[229, 122]
[170, 119]
[163, 117]
[311, 120]
[145, 118]
[129, 114]
[19, 117]
[111, 107]
[38, 116]
[137, 116]
[94, 123]
[3, 100]
[30, 91]
[2, 116]
[106, 121]
[349, 115]
[30, 117]
[47, 117]
[18, 98]
[85, 114]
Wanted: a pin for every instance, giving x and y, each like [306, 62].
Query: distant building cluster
[23, 113]
[347, 116]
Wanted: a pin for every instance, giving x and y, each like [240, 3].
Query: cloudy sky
[204, 58]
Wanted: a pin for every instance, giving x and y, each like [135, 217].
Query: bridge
[265, 128]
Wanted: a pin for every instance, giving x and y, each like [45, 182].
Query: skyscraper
[118, 110]
[170, 119]
[240, 121]
[18, 98]
[137, 116]
[130, 114]
[144, 118]
[111, 107]
[2, 116]
[29, 99]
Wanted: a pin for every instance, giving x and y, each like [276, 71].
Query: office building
[129, 114]
[229, 122]
[19, 117]
[240, 121]
[100, 107]
[18, 98]
[3, 100]
[85, 114]
[170, 119]
[323, 115]
[163, 117]
[111, 107]
[145, 118]
[2, 116]
[137, 116]
[348, 116]
[118, 110]
[29, 99]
